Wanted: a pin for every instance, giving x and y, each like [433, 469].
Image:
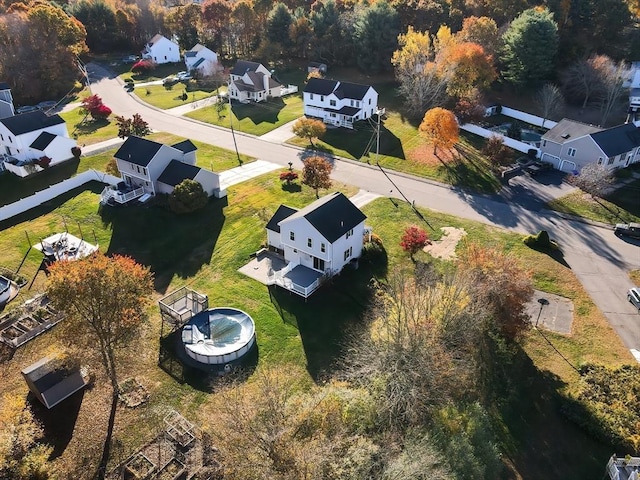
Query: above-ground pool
[527, 135]
[219, 335]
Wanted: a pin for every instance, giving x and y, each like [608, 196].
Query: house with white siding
[201, 60]
[148, 168]
[161, 50]
[571, 145]
[27, 138]
[6, 101]
[316, 241]
[251, 81]
[339, 103]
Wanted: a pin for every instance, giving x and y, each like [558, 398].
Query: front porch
[270, 268]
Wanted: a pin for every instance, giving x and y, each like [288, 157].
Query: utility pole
[233, 134]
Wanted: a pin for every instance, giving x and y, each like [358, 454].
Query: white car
[183, 76]
[633, 295]
[170, 80]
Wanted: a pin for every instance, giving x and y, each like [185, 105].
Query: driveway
[596, 256]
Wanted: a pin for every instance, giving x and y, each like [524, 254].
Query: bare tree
[580, 81]
[593, 179]
[613, 76]
[550, 101]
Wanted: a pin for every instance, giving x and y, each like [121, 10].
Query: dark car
[628, 229]
[538, 167]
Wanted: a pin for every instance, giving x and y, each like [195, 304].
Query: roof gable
[332, 216]
[156, 38]
[176, 172]
[320, 86]
[567, 130]
[352, 90]
[30, 122]
[617, 140]
[139, 151]
[186, 146]
[43, 141]
[281, 213]
[243, 66]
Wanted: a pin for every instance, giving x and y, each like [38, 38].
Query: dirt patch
[445, 248]
[424, 155]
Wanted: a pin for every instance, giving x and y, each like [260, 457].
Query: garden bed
[132, 393]
[27, 321]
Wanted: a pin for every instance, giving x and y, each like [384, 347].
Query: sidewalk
[280, 134]
[246, 172]
[190, 107]
[102, 146]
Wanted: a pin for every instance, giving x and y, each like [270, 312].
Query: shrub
[76, 152]
[540, 241]
[414, 239]
[532, 153]
[188, 196]
[101, 113]
[143, 66]
[496, 151]
[43, 161]
[288, 177]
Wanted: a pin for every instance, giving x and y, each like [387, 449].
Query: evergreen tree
[278, 24]
[376, 32]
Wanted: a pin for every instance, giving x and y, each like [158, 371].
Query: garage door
[552, 159]
[567, 166]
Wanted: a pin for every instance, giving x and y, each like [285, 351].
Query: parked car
[537, 167]
[130, 59]
[170, 80]
[181, 76]
[47, 105]
[26, 109]
[629, 229]
[633, 295]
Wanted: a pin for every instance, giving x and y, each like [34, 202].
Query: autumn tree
[135, 126]
[470, 68]
[500, 284]
[593, 179]
[242, 28]
[316, 173]
[99, 20]
[496, 151]
[93, 106]
[309, 128]
[422, 84]
[184, 20]
[188, 196]
[301, 36]
[331, 27]
[530, 48]
[582, 80]
[550, 101]
[216, 20]
[414, 239]
[482, 31]
[613, 91]
[440, 127]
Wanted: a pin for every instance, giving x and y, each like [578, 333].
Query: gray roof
[186, 146]
[139, 151]
[52, 383]
[332, 215]
[322, 86]
[30, 122]
[176, 172]
[567, 130]
[616, 140]
[43, 141]
[282, 213]
[155, 38]
[4, 86]
[243, 66]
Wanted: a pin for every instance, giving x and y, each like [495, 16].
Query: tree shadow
[554, 253]
[292, 187]
[58, 422]
[168, 243]
[260, 112]
[326, 319]
[88, 127]
[361, 141]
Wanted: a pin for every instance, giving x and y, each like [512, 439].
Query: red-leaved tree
[93, 106]
[144, 65]
[288, 177]
[413, 239]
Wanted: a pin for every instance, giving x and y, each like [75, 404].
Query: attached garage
[567, 166]
[552, 159]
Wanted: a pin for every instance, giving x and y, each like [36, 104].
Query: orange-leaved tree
[440, 127]
[316, 173]
[309, 128]
[472, 68]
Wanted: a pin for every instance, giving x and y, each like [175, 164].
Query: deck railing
[120, 197]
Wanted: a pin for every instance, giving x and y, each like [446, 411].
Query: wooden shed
[53, 379]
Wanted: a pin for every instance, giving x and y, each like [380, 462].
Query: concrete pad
[262, 265]
[280, 134]
[363, 197]
[246, 172]
[445, 248]
[551, 312]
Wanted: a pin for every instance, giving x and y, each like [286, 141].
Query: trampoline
[218, 336]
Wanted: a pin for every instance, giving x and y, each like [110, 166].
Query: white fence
[54, 191]
[509, 142]
[523, 116]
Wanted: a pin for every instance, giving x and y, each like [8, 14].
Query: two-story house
[161, 50]
[6, 101]
[318, 240]
[28, 137]
[201, 60]
[251, 81]
[339, 103]
[571, 145]
[148, 168]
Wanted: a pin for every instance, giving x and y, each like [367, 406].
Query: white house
[317, 241]
[149, 167]
[571, 145]
[26, 138]
[202, 60]
[339, 103]
[251, 81]
[161, 50]
[6, 101]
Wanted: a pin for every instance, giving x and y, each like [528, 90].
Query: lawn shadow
[554, 253]
[536, 434]
[168, 243]
[362, 142]
[292, 187]
[259, 112]
[87, 127]
[58, 422]
[327, 319]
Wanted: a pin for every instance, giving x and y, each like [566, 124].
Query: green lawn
[253, 118]
[622, 206]
[87, 131]
[169, 97]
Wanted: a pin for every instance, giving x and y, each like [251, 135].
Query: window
[322, 98]
[357, 104]
[309, 243]
[332, 103]
[544, 143]
[571, 152]
[369, 101]
[1, 137]
[144, 171]
[10, 139]
[600, 159]
[351, 103]
[311, 96]
[349, 233]
[323, 248]
[347, 253]
[138, 168]
[292, 236]
[332, 115]
[610, 161]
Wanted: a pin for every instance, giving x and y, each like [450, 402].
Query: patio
[64, 246]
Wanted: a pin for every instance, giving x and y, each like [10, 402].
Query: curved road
[596, 256]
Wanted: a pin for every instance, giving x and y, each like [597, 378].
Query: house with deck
[201, 60]
[148, 168]
[315, 242]
[28, 138]
[251, 81]
[339, 103]
[571, 145]
[161, 50]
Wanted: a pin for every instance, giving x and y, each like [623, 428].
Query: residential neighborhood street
[599, 259]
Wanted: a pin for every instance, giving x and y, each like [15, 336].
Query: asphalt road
[596, 256]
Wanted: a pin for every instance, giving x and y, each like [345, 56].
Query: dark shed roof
[30, 122]
[185, 146]
[176, 172]
[138, 150]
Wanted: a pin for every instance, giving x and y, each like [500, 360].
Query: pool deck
[266, 264]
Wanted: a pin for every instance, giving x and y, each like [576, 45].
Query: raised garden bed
[27, 321]
[132, 393]
[138, 468]
[171, 471]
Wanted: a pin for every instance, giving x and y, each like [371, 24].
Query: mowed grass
[253, 118]
[621, 206]
[87, 131]
[166, 97]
